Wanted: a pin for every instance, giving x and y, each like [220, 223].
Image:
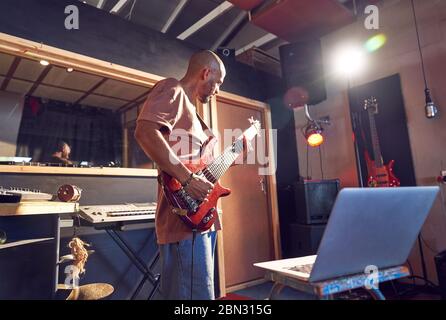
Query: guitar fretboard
[221, 164]
[217, 168]
[375, 140]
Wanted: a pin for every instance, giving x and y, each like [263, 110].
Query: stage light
[313, 134]
[349, 61]
[44, 62]
[375, 42]
[69, 70]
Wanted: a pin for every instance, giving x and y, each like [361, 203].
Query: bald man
[168, 118]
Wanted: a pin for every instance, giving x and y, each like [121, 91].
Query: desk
[326, 289]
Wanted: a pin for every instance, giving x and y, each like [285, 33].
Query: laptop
[367, 227]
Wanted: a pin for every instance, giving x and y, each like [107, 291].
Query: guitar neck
[223, 162]
[375, 141]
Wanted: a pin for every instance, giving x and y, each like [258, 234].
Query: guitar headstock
[255, 123]
[371, 105]
[254, 129]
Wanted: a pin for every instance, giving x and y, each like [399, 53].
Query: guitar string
[224, 161]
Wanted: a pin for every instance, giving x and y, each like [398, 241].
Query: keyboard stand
[148, 274]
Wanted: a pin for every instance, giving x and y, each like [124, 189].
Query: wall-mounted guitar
[196, 214]
[379, 174]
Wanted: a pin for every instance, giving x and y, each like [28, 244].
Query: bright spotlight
[349, 61]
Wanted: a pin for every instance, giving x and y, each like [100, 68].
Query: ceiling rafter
[139, 99]
[101, 4]
[15, 63]
[211, 16]
[257, 43]
[92, 89]
[119, 6]
[39, 80]
[54, 86]
[241, 16]
[175, 13]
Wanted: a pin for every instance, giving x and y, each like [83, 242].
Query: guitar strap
[205, 127]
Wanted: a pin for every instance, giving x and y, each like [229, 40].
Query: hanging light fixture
[313, 134]
[313, 130]
[430, 108]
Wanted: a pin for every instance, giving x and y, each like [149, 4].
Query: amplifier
[304, 239]
[314, 200]
[440, 263]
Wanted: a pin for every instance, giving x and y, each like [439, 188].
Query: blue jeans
[176, 260]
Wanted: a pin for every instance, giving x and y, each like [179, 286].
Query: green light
[375, 42]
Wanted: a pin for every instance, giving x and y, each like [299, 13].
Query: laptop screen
[371, 227]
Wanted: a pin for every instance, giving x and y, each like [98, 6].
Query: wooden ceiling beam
[15, 63]
[39, 80]
[137, 100]
[92, 89]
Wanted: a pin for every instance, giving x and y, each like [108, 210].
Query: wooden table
[327, 288]
[37, 207]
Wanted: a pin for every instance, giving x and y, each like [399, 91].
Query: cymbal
[92, 291]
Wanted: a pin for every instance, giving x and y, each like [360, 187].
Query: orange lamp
[313, 134]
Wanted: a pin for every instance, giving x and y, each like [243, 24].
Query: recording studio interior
[222, 150]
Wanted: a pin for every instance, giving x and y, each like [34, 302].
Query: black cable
[413, 277]
[427, 282]
[320, 160]
[427, 245]
[419, 44]
[307, 163]
[194, 234]
[411, 270]
[303, 135]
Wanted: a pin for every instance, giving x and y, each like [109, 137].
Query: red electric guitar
[196, 214]
[380, 175]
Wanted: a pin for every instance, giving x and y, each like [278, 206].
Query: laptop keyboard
[304, 268]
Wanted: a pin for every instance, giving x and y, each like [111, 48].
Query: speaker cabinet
[314, 200]
[440, 263]
[302, 67]
[303, 239]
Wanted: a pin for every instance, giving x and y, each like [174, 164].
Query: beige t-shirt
[168, 105]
